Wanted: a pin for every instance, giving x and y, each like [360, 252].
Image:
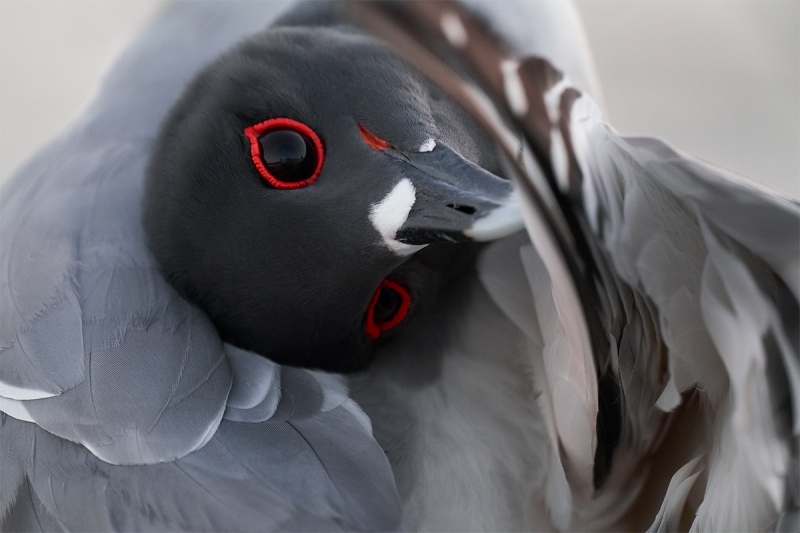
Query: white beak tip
[500, 223]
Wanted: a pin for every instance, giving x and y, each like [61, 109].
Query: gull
[638, 339]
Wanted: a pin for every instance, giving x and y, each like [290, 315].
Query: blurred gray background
[719, 79]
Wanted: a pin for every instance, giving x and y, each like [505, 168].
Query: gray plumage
[122, 408]
[696, 273]
[116, 387]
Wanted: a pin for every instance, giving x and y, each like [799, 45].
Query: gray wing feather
[99, 344]
[86, 314]
[718, 258]
[117, 386]
[301, 470]
[256, 387]
[762, 220]
[713, 261]
[27, 513]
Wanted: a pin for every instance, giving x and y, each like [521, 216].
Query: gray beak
[456, 200]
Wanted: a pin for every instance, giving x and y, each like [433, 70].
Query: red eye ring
[373, 328]
[253, 133]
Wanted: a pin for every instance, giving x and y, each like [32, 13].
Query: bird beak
[456, 200]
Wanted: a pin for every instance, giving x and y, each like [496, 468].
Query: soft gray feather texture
[700, 292]
[310, 466]
[718, 259]
[115, 386]
[125, 411]
[87, 317]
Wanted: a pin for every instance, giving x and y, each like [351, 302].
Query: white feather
[669, 515]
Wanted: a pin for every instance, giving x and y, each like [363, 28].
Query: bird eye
[288, 154]
[389, 306]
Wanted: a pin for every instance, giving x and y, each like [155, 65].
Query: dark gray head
[295, 184]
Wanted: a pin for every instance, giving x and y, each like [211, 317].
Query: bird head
[307, 190]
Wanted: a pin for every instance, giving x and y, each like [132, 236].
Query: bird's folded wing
[694, 275]
[113, 388]
[89, 326]
[706, 263]
[718, 259]
[311, 465]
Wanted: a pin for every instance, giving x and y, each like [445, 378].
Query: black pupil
[288, 155]
[387, 306]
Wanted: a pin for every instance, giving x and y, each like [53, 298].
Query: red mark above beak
[373, 140]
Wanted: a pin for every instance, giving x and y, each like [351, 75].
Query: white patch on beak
[428, 145]
[389, 215]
